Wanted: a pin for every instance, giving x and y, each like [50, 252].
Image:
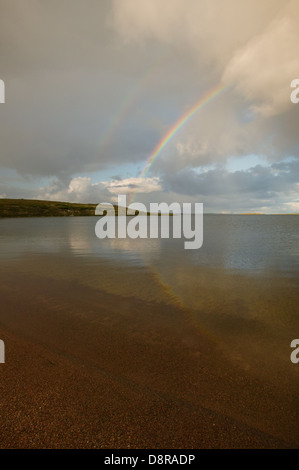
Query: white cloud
[130, 185]
[264, 68]
[80, 189]
[250, 43]
[212, 29]
[292, 207]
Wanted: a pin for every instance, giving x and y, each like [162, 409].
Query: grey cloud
[66, 82]
[92, 85]
[260, 181]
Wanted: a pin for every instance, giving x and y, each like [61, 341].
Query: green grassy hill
[35, 208]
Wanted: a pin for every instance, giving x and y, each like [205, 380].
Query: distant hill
[36, 208]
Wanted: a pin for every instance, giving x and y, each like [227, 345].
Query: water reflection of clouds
[83, 242]
[234, 243]
[204, 284]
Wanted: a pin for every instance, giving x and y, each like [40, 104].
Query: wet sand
[87, 368]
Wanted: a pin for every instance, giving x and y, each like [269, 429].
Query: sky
[92, 88]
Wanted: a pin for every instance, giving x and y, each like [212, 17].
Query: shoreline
[20, 208]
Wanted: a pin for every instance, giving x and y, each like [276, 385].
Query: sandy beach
[122, 379]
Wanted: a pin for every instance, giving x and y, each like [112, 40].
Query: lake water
[248, 244]
[239, 292]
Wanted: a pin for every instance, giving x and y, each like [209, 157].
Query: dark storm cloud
[66, 82]
[259, 180]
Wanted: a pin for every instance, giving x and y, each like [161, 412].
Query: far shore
[38, 208]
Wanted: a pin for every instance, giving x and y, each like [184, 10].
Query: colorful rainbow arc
[176, 127]
[131, 99]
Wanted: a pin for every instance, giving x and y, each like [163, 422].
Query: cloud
[273, 188]
[249, 46]
[66, 86]
[80, 189]
[130, 185]
[92, 87]
[208, 31]
[266, 65]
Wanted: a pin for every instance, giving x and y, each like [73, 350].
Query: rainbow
[131, 99]
[176, 127]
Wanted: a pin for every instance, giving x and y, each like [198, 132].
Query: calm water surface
[249, 244]
[240, 288]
